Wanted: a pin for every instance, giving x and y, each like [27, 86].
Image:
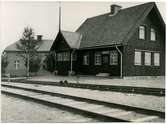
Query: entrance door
[63, 67]
[105, 59]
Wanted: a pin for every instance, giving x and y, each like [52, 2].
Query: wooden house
[124, 42]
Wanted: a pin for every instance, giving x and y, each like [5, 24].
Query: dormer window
[142, 32]
[152, 34]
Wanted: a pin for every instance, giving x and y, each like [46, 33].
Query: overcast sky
[43, 17]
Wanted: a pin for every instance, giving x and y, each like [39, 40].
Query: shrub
[50, 63]
[4, 63]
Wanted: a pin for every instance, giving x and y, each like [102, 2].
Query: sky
[43, 17]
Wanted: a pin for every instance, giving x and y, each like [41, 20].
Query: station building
[126, 42]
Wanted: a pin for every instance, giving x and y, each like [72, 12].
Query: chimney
[114, 9]
[39, 37]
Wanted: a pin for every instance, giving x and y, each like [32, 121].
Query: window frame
[114, 56]
[135, 62]
[153, 30]
[139, 31]
[146, 57]
[17, 64]
[86, 59]
[158, 59]
[63, 56]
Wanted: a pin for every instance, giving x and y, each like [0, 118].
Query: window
[142, 32]
[17, 64]
[147, 58]
[97, 58]
[66, 56]
[113, 57]
[152, 35]
[137, 57]
[63, 56]
[86, 59]
[59, 58]
[156, 59]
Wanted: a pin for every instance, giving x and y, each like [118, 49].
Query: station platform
[148, 83]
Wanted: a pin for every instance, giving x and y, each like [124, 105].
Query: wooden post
[8, 75]
[121, 75]
[28, 65]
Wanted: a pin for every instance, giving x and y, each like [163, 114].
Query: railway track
[126, 89]
[105, 111]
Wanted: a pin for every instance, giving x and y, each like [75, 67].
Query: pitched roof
[107, 30]
[43, 47]
[72, 38]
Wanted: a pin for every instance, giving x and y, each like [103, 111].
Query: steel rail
[109, 104]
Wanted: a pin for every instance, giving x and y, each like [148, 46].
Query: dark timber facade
[124, 42]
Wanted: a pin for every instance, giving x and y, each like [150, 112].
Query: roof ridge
[139, 5]
[121, 10]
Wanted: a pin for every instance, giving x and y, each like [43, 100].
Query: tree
[4, 63]
[29, 46]
[34, 63]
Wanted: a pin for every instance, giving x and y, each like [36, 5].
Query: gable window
[156, 59]
[113, 57]
[63, 56]
[97, 58]
[17, 64]
[147, 58]
[66, 56]
[142, 32]
[86, 59]
[137, 57]
[152, 34]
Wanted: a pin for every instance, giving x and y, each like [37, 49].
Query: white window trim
[155, 64]
[146, 57]
[135, 60]
[142, 28]
[152, 30]
[17, 64]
